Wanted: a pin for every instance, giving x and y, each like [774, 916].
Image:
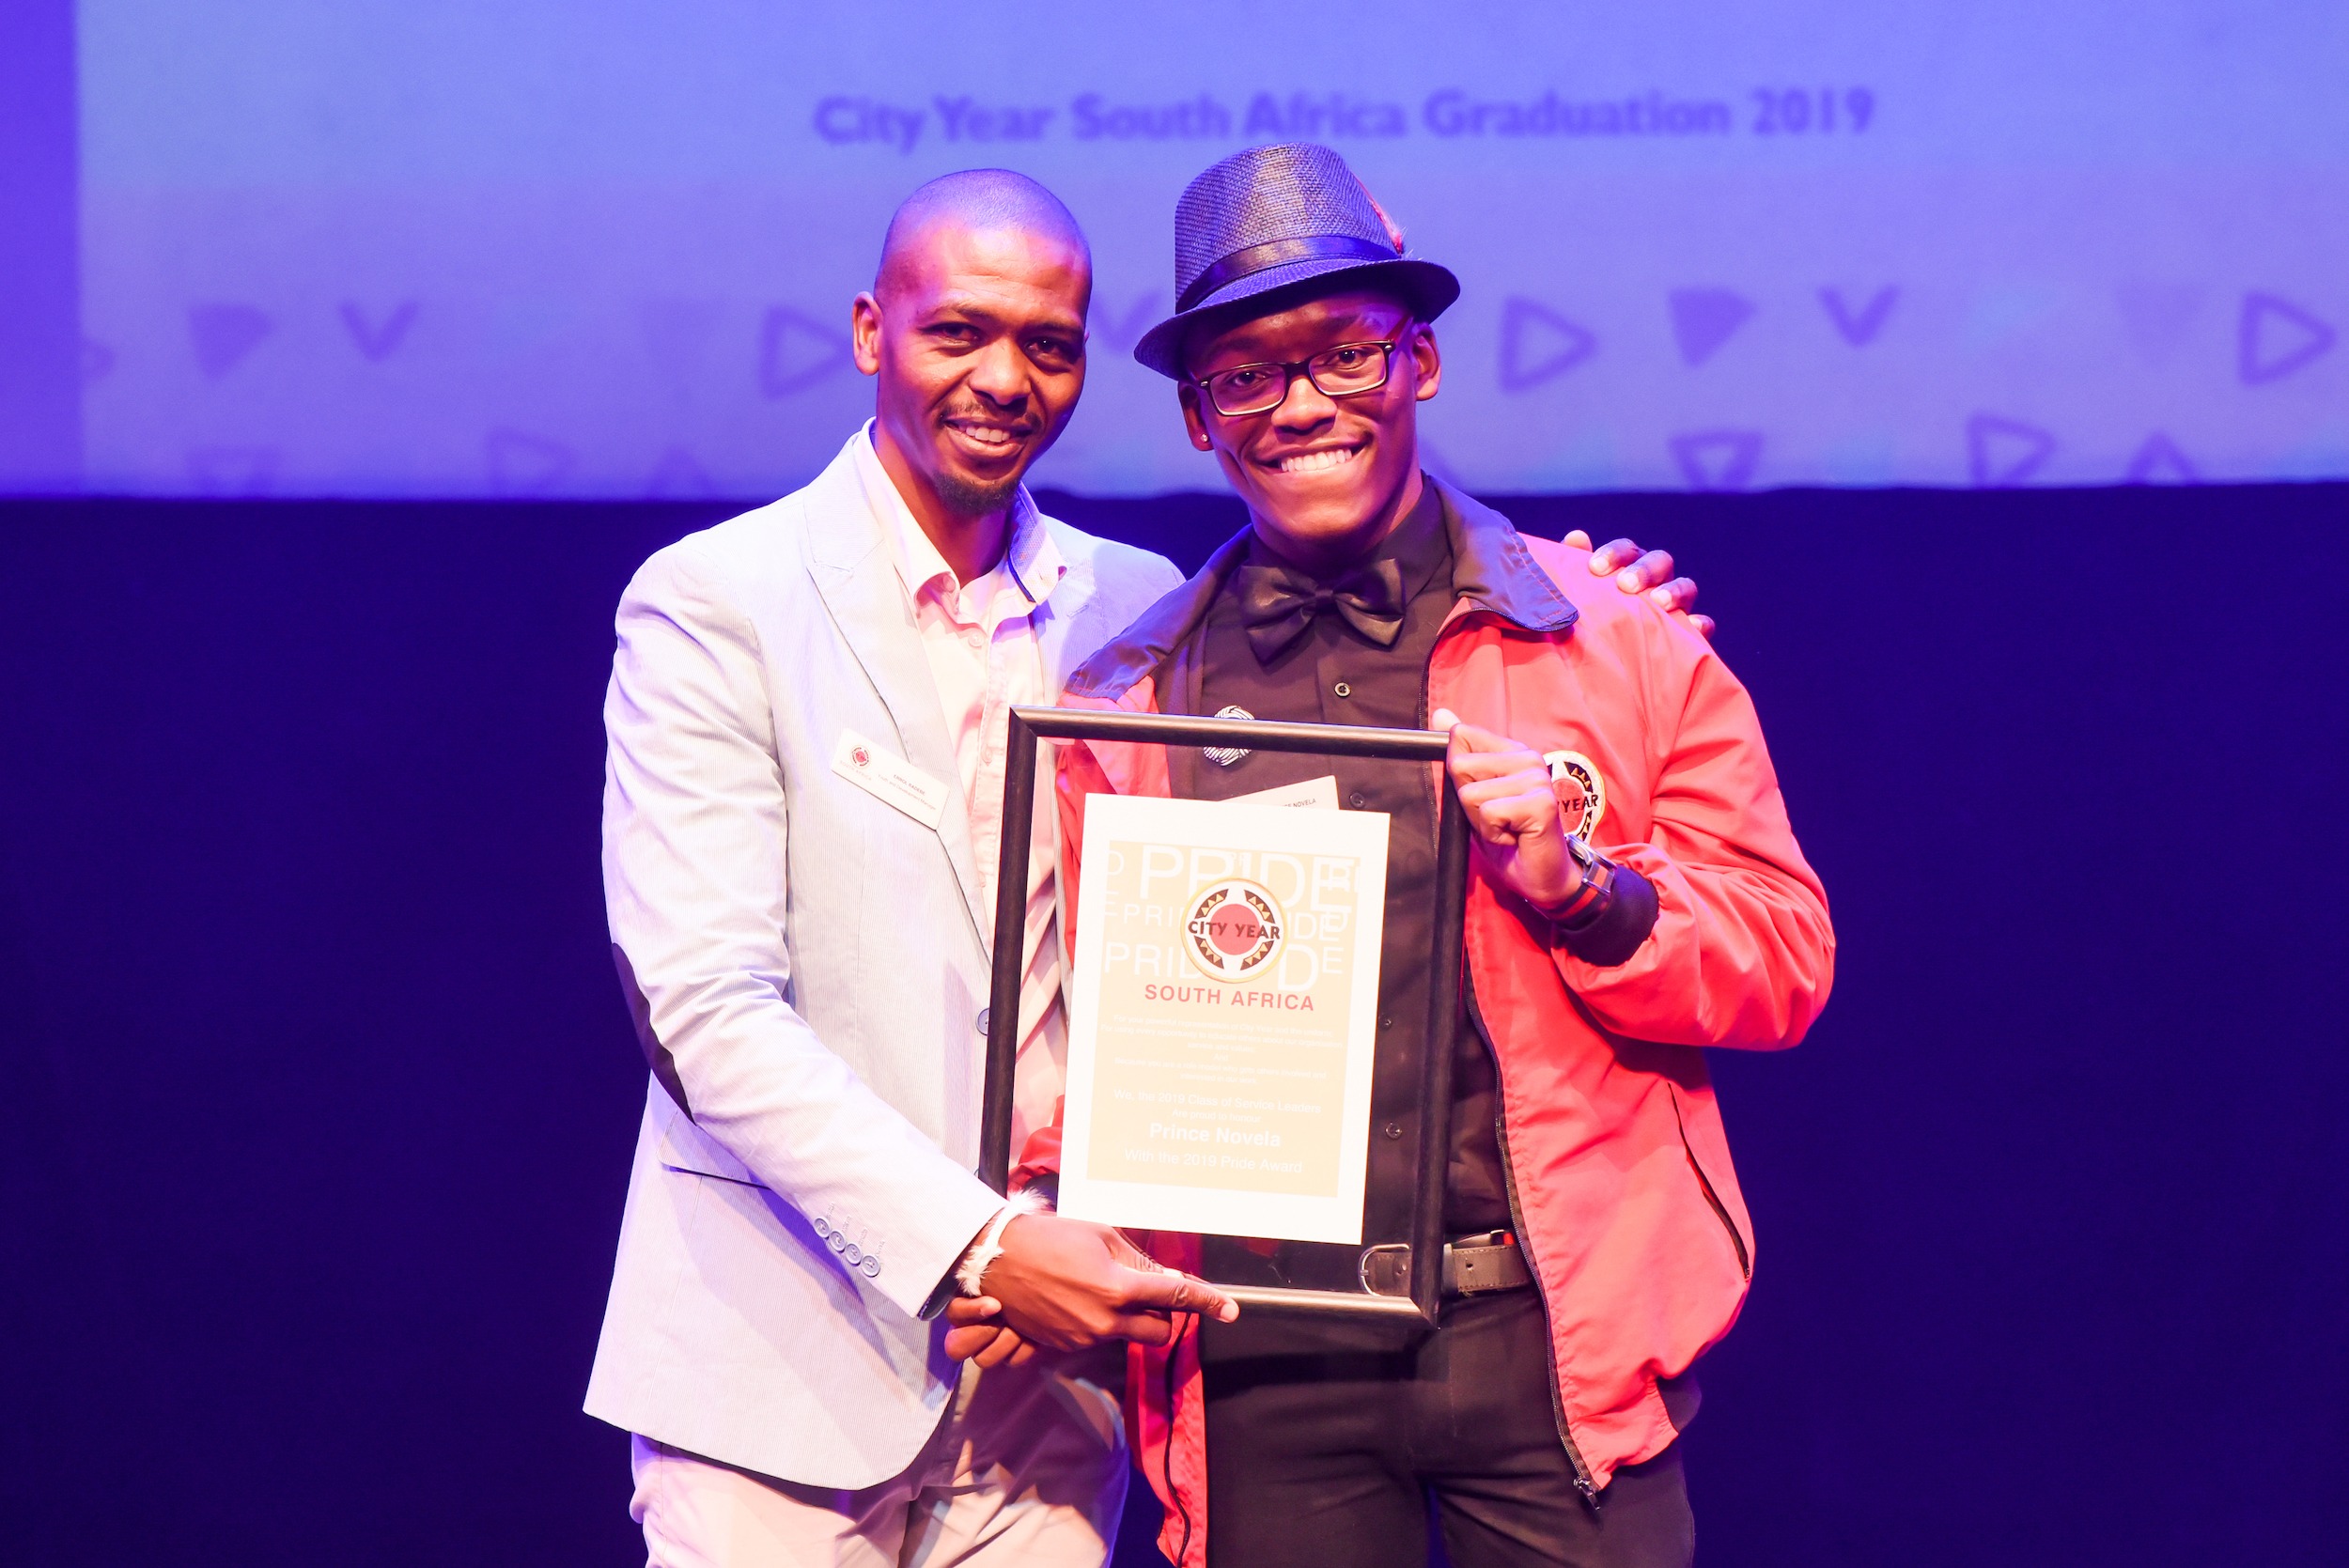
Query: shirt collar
[1491, 570]
[1033, 562]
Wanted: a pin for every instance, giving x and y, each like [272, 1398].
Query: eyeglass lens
[1340, 372]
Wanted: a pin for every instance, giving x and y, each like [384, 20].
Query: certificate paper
[1221, 1040]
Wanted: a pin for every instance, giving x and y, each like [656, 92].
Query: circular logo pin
[861, 757]
[1581, 793]
[1234, 929]
[1225, 756]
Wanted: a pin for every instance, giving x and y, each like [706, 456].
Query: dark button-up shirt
[1333, 674]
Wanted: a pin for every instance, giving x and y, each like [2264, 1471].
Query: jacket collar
[1492, 571]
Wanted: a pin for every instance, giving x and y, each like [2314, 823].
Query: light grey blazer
[807, 965]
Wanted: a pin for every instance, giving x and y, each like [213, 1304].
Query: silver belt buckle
[1386, 1270]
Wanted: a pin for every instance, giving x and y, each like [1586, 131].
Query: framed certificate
[1220, 1039]
[1222, 997]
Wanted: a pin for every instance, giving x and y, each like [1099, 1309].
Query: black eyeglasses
[1347, 370]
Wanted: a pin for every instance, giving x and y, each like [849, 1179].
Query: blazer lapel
[1075, 620]
[850, 559]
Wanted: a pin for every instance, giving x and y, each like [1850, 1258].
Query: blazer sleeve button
[870, 1267]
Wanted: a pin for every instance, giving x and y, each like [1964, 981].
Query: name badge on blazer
[889, 778]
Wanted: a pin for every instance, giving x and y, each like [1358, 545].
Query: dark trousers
[1335, 1457]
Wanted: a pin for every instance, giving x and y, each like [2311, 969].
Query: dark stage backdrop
[320, 1097]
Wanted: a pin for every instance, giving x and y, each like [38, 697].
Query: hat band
[1276, 252]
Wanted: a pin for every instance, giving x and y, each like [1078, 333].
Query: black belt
[1473, 1265]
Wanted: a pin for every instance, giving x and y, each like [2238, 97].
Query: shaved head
[977, 201]
[974, 332]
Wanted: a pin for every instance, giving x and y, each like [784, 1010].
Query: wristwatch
[1591, 900]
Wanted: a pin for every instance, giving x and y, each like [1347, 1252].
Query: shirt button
[976, 639]
[1386, 1023]
[1343, 690]
[1355, 800]
[986, 1016]
[1394, 1129]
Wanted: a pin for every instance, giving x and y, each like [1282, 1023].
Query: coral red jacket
[1626, 1204]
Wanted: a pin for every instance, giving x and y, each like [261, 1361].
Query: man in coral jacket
[1637, 894]
[802, 803]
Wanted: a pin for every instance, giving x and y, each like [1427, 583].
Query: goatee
[971, 498]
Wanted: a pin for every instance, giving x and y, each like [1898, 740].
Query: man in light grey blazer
[802, 824]
[800, 831]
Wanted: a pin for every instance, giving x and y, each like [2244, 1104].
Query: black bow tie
[1278, 602]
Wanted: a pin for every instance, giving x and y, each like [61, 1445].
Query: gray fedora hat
[1275, 218]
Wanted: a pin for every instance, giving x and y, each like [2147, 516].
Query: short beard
[968, 498]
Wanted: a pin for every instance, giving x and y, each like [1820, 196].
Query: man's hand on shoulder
[1649, 572]
[1064, 1284]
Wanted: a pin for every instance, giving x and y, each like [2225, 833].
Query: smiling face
[977, 337]
[1325, 478]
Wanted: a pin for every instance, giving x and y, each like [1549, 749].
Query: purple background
[40, 312]
[320, 1095]
[436, 248]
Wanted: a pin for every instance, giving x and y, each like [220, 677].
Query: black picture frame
[1029, 726]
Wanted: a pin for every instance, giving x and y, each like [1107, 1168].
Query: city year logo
[1226, 756]
[1581, 793]
[1234, 929]
[861, 757]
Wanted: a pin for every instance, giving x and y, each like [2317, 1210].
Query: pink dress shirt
[981, 640]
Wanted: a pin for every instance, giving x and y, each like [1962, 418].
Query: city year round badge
[1225, 756]
[1581, 793]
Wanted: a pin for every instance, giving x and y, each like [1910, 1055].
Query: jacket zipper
[1720, 1210]
[1583, 1482]
[1509, 1173]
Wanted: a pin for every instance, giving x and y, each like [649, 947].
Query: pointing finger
[1179, 1292]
